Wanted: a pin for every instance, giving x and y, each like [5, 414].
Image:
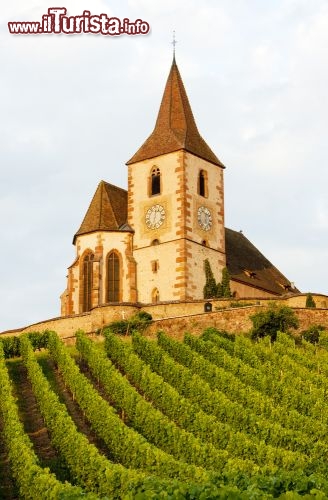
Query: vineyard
[214, 417]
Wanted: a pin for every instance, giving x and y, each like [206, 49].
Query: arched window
[155, 187]
[155, 242]
[202, 183]
[113, 278]
[87, 282]
[155, 296]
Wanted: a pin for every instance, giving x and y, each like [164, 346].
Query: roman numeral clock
[155, 216]
[204, 218]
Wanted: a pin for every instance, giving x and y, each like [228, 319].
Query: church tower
[175, 204]
[149, 244]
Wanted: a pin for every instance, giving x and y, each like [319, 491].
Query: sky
[75, 108]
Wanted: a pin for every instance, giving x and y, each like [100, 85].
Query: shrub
[137, 323]
[39, 340]
[312, 334]
[143, 316]
[309, 301]
[11, 345]
[271, 320]
[210, 331]
[323, 340]
[119, 327]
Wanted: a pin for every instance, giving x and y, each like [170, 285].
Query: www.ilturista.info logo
[56, 22]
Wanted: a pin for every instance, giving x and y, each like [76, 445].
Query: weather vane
[174, 42]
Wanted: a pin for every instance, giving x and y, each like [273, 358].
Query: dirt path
[34, 424]
[33, 421]
[73, 408]
[84, 368]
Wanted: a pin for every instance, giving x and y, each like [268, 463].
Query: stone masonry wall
[178, 318]
[236, 320]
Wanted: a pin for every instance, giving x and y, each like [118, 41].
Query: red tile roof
[248, 265]
[107, 210]
[175, 127]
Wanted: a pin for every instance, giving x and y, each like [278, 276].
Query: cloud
[320, 214]
[74, 109]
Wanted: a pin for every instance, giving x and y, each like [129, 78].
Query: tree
[210, 288]
[225, 283]
[273, 319]
[309, 301]
[312, 334]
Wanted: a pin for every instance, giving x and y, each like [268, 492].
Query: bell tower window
[155, 187]
[202, 183]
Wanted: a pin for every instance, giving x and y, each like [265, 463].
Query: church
[149, 244]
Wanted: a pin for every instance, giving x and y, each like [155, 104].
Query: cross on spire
[174, 42]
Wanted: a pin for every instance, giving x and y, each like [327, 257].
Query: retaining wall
[178, 317]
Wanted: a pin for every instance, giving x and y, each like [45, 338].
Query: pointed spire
[175, 127]
[107, 210]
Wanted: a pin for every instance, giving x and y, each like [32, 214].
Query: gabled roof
[175, 127]
[107, 211]
[247, 265]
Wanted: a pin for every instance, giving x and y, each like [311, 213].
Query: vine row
[125, 444]
[215, 402]
[191, 417]
[33, 480]
[278, 397]
[147, 420]
[288, 366]
[90, 469]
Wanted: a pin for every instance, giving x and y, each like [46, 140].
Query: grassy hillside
[210, 417]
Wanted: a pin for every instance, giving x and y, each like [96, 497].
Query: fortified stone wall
[89, 322]
[236, 320]
[233, 320]
[177, 318]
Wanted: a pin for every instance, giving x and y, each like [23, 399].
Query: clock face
[204, 218]
[155, 216]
